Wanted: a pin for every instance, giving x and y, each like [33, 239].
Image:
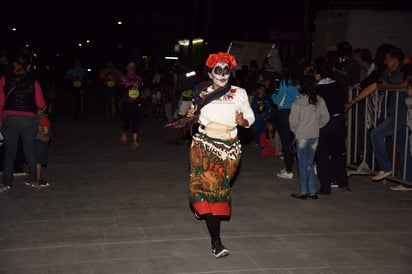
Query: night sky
[151, 27]
[64, 23]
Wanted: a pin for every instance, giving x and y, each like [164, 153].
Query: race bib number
[134, 93]
[77, 84]
[110, 84]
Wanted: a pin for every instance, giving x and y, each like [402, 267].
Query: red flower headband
[223, 57]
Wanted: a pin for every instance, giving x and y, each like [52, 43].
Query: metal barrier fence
[362, 118]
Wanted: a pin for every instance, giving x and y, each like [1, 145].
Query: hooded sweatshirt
[305, 119]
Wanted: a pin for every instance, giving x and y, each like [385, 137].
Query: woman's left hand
[240, 120]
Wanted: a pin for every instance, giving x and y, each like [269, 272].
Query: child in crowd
[262, 108]
[42, 149]
[269, 140]
[308, 114]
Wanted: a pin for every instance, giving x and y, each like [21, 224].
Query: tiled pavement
[112, 210]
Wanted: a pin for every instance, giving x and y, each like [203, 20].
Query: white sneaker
[19, 173]
[400, 188]
[219, 251]
[284, 174]
[381, 175]
[334, 184]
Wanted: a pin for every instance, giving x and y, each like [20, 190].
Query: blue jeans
[15, 127]
[380, 148]
[305, 151]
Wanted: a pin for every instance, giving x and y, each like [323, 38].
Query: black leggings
[131, 116]
[286, 138]
[213, 225]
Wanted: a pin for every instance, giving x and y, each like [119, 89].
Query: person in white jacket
[308, 114]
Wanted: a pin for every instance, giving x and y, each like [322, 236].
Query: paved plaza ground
[113, 210]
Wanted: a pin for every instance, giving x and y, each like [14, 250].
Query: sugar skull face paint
[220, 74]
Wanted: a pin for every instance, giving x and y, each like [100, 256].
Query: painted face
[220, 74]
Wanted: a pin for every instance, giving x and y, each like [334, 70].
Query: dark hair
[367, 56]
[306, 64]
[333, 59]
[396, 53]
[292, 72]
[274, 128]
[22, 62]
[307, 86]
[323, 68]
[24, 57]
[260, 85]
[380, 54]
[344, 49]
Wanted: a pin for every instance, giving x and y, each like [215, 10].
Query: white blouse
[223, 110]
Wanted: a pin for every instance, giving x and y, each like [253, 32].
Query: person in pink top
[20, 99]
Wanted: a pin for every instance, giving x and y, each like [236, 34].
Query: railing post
[349, 132]
[395, 133]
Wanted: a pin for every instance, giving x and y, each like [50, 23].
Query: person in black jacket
[331, 152]
[20, 99]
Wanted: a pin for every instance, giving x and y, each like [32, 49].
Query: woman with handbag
[20, 99]
[216, 151]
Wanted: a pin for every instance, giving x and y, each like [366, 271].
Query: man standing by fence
[394, 124]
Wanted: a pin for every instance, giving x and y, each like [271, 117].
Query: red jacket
[266, 145]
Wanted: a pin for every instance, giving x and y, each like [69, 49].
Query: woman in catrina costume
[216, 150]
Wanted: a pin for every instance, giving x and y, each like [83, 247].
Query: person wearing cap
[216, 150]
